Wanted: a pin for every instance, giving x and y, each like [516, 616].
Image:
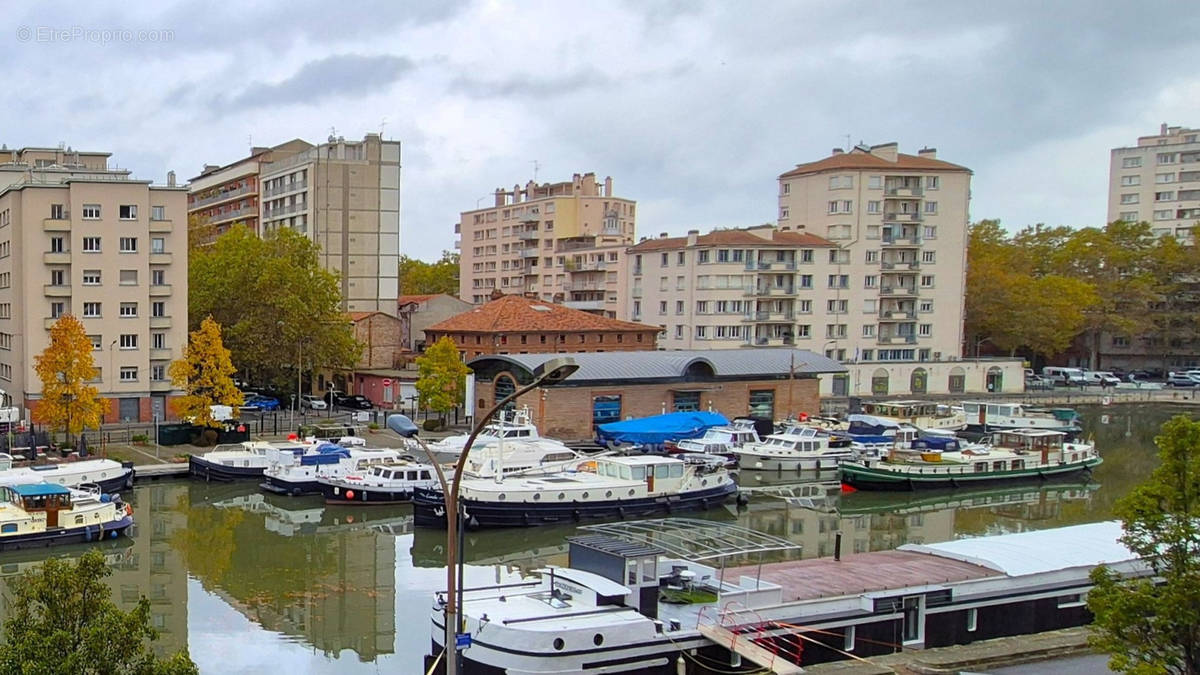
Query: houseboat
[721, 440]
[289, 473]
[505, 458]
[109, 475]
[925, 415]
[388, 483]
[606, 487]
[513, 428]
[248, 460]
[45, 514]
[799, 448]
[985, 417]
[653, 598]
[1013, 455]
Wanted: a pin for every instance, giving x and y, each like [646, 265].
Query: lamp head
[555, 370]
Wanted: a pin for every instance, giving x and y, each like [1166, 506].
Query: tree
[418, 277]
[62, 621]
[65, 368]
[206, 373]
[1151, 624]
[273, 301]
[200, 232]
[441, 377]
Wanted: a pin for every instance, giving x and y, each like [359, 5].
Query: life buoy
[349, 494]
[1107, 400]
[803, 417]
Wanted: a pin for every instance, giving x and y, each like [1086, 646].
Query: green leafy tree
[62, 621]
[1152, 624]
[274, 302]
[65, 367]
[441, 377]
[418, 277]
[206, 373]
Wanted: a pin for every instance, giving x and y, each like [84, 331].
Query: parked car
[1101, 378]
[1182, 380]
[1066, 377]
[1036, 382]
[313, 402]
[261, 403]
[402, 425]
[356, 401]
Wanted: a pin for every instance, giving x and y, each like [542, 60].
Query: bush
[373, 426]
[139, 438]
[205, 438]
[431, 424]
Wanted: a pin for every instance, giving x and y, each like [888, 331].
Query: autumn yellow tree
[65, 368]
[206, 374]
[441, 377]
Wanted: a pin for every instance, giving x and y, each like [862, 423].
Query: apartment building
[343, 195]
[224, 195]
[564, 242]
[1158, 182]
[77, 237]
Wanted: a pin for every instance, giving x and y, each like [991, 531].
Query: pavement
[982, 656]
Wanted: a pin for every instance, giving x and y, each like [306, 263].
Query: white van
[1101, 378]
[1072, 377]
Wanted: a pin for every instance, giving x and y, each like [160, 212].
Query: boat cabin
[409, 472]
[639, 468]
[905, 409]
[1029, 440]
[39, 497]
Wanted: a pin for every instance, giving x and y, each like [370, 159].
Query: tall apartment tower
[899, 224]
[1158, 181]
[343, 195]
[560, 242]
[223, 195]
[79, 238]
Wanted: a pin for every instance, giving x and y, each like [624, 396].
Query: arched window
[919, 382]
[879, 382]
[958, 380]
[995, 379]
[504, 385]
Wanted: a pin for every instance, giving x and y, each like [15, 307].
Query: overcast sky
[693, 108]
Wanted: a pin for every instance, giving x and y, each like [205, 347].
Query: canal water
[259, 583]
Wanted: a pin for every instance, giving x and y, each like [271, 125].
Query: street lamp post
[550, 372]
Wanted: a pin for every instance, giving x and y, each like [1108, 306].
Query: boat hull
[289, 487]
[75, 535]
[869, 478]
[338, 493]
[201, 468]
[767, 463]
[122, 482]
[429, 511]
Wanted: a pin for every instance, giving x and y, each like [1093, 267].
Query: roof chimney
[837, 151]
[1163, 129]
[662, 235]
[496, 294]
[692, 236]
[928, 152]
[170, 179]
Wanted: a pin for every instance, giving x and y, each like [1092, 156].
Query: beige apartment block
[78, 238]
[343, 195]
[560, 242]
[1158, 182]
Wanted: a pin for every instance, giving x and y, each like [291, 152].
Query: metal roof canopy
[692, 538]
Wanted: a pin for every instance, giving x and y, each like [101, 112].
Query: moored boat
[297, 474]
[985, 416]
[512, 428]
[1015, 454]
[799, 448]
[109, 475]
[45, 514]
[389, 483]
[924, 415]
[721, 440]
[612, 487]
[248, 460]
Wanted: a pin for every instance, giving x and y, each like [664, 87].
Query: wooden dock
[145, 472]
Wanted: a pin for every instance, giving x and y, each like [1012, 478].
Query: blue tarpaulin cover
[660, 428]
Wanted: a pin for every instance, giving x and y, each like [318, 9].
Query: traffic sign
[462, 640]
[387, 382]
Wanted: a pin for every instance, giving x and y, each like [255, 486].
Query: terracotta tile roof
[359, 316]
[405, 299]
[516, 314]
[860, 159]
[735, 238]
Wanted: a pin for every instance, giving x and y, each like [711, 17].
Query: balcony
[592, 266]
[160, 258]
[243, 212]
[775, 290]
[160, 354]
[160, 385]
[56, 224]
[903, 217]
[163, 226]
[59, 258]
[160, 290]
[585, 286]
[897, 339]
[286, 188]
[528, 235]
[57, 290]
[897, 315]
[898, 291]
[773, 341]
[528, 252]
[909, 240]
[160, 322]
[220, 197]
[585, 305]
[899, 191]
[50, 321]
[529, 217]
[637, 292]
[774, 317]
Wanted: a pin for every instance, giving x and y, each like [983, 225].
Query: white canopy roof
[1037, 551]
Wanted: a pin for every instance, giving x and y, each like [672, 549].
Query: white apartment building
[561, 242]
[867, 266]
[77, 237]
[1158, 182]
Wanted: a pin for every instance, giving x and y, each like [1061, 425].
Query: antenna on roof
[535, 164]
[382, 124]
[847, 142]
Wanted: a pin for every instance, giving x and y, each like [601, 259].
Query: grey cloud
[340, 75]
[526, 86]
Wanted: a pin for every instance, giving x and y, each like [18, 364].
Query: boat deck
[861, 573]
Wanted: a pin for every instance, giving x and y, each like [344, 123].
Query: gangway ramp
[745, 646]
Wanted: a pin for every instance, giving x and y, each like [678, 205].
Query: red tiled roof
[735, 238]
[405, 299]
[516, 314]
[860, 159]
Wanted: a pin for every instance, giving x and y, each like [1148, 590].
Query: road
[1090, 664]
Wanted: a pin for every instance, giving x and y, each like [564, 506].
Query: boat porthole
[630, 492]
[608, 494]
[585, 495]
[703, 482]
[559, 644]
[561, 496]
[597, 639]
[537, 496]
[502, 497]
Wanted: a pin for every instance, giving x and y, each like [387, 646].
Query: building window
[930, 232]
[762, 404]
[932, 182]
[57, 245]
[1129, 198]
[1163, 178]
[159, 340]
[158, 309]
[848, 639]
[702, 332]
[783, 213]
[158, 213]
[678, 331]
[1129, 216]
[1131, 162]
[926, 281]
[925, 329]
[91, 244]
[128, 277]
[128, 309]
[128, 245]
[158, 278]
[91, 277]
[869, 281]
[1135, 179]
[1166, 158]
[129, 373]
[91, 212]
[158, 373]
[702, 256]
[806, 281]
[1165, 196]
[662, 306]
[841, 182]
[91, 310]
[806, 255]
[158, 245]
[928, 256]
[873, 207]
[930, 207]
[868, 330]
[926, 306]
[787, 188]
[606, 409]
[129, 341]
[679, 306]
[686, 401]
[127, 211]
[57, 309]
[57, 277]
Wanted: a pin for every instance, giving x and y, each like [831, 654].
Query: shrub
[431, 424]
[373, 426]
[139, 438]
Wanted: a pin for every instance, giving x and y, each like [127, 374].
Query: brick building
[766, 383]
[512, 324]
[418, 312]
